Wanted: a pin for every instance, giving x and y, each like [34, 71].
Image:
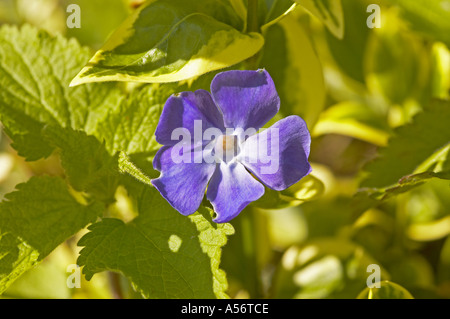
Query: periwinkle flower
[229, 150]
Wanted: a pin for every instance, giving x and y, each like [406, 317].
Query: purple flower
[220, 148]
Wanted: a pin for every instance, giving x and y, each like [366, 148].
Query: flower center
[226, 147]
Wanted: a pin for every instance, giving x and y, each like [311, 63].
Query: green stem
[252, 16]
[252, 26]
[249, 248]
[247, 219]
[116, 287]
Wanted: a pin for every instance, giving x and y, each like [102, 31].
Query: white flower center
[226, 147]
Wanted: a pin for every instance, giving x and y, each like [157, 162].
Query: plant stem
[252, 16]
[249, 248]
[116, 287]
[252, 26]
[248, 219]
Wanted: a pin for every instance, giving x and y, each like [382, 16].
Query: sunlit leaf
[111, 12]
[87, 164]
[126, 166]
[131, 125]
[440, 82]
[372, 197]
[275, 10]
[387, 290]
[431, 17]
[292, 62]
[34, 89]
[34, 220]
[355, 120]
[169, 41]
[330, 12]
[430, 231]
[322, 268]
[181, 254]
[396, 61]
[444, 262]
[48, 280]
[349, 52]
[308, 188]
[411, 146]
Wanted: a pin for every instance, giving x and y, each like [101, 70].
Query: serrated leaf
[290, 58]
[129, 130]
[170, 41]
[88, 125]
[130, 127]
[48, 280]
[34, 220]
[372, 197]
[87, 163]
[330, 12]
[387, 290]
[35, 72]
[411, 146]
[126, 166]
[164, 254]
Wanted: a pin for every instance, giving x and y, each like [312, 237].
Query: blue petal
[157, 158]
[248, 99]
[181, 110]
[231, 189]
[279, 169]
[183, 185]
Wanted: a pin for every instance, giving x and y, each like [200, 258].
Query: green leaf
[387, 290]
[394, 64]
[87, 164]
[431, 17]
[88, 125]
[35, 72]
[349, 52]
[169, 41]
[330, 12]
[323, 268]
[274, 11]
[164, 254]
[48, 280]
[291, 60]
[130, 127]
[372, 197]
[103, 16]
[353, 119]
[440, 79]
[307, 189]
[126, 166]
[34, 220]
[444, 261]
[412, 145]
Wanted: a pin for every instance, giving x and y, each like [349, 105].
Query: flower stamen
[226, 147]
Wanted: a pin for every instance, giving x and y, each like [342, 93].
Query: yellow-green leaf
[170, 41]
[308, 188]
[290, 58]
[387, 290]
[353, 119]
[329, 12]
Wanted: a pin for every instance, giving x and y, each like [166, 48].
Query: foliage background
[376, 93]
